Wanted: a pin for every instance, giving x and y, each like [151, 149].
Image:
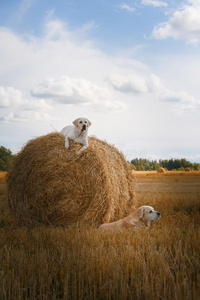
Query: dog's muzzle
[84, 127]
[158, 216]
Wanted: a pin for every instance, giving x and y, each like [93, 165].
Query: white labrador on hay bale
[78, 133]
[142, 217]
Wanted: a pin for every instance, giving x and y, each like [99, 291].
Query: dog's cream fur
[78, 133]
[142, 217]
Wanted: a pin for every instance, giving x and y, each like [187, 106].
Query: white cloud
[151, 84]
[196, 2]
[10, 96]
[177, 155]
[154, 3]
[62, 56]
[19, 109]
[137, 83]
[182, 101]
[129, 84]
[183, 24]
[24, 116]
[36, 110]
[36, 105]
[58, 52]
[75, 91]
[24, 7]
[127, 7]
[55, 29]
[69, 90]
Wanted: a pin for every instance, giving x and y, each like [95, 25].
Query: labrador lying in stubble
[142, 217]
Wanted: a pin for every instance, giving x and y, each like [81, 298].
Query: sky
[132, 68]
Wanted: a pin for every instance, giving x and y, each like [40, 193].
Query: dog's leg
[83, 148]
[66, 142]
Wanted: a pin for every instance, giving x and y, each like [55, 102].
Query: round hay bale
[51, 185]
[161, 170]
[187, 170]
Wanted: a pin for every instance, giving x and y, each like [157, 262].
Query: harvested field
[162, 262]
[3, 177]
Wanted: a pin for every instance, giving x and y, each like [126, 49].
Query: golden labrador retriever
[142, 217]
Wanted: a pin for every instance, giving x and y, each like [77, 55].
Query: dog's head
[147, 214]
[82, 123]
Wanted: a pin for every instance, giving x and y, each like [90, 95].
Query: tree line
[143, 164]
[6, 159]
[139, 164]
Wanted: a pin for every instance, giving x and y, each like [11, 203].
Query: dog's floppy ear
[89, 123]
[140, 212]
[75, 122]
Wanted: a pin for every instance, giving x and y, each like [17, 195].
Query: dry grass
[84, 263]
[3, 177]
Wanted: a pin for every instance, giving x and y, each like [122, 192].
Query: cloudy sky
[132, 68]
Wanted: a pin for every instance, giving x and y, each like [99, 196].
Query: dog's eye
[85, 122]
[81, 122]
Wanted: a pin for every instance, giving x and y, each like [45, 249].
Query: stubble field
[162, 262]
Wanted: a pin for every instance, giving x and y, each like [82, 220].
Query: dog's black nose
[84, 126]
[158, 214]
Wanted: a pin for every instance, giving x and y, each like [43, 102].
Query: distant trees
[137, 164]
[6, 158]
[143, 164]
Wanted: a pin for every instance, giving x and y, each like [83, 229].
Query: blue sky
[132, 68]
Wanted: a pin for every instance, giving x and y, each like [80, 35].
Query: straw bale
[51, 185]
[187, 170]
[161, 170]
